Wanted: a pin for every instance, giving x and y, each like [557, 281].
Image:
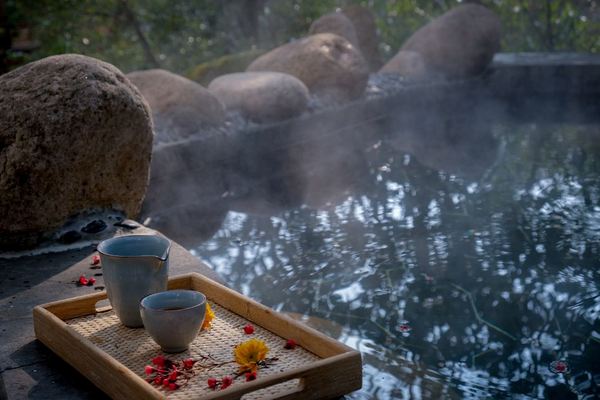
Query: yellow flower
[208, 317]
[249, 354]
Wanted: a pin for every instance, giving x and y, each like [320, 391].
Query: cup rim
[203, 302]
[105, 242]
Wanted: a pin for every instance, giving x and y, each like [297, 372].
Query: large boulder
[180, 107]
[262, 96]
[336, 23]
[459, 44]
[75, 135]
[366, 32]
[327, 64]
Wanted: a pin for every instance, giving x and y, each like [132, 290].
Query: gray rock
[327, 64]
[366, 32]
[460, 43]
[180, 107]
[336, 23]
[75, 134]
[262, 96]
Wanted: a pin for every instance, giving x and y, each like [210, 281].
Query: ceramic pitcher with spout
[134, 266]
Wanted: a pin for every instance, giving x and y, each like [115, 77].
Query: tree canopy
[178, 35]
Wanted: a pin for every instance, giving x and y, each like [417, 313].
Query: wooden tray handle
[86, 305]
[316, 381]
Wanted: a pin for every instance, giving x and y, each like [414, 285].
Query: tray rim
[339, 371]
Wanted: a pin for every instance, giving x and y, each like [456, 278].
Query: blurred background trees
[181, 34]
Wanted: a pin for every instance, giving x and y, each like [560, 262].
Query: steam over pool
[451, 287]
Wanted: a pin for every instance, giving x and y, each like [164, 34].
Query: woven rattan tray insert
[113, 356]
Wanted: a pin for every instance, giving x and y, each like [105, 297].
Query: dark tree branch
[132, 19]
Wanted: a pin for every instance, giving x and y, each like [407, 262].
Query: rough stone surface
[75, 134]
[327, 64]
[180, 107]
[262, 96]
[336, 23]
[366, 32]
[409, 64]
[459, 44]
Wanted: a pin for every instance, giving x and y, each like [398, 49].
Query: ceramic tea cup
[173, 318]
[134, 266]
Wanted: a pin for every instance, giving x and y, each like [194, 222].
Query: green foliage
[181, 34]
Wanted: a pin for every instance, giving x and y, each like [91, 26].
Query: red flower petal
[290, 344]
[226, 382]
[249, 329]
[212, 383]
[159, 361]
[166, 382]
[157, 380]
[250, 376]
[95, 259]
[188, 363]
[173, 386]
[559, 367]
[83, 280]
[149, 369]
[173, 375]
[91, 281]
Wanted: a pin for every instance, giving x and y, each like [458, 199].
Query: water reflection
[495, 278]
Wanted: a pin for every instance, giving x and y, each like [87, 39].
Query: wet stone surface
[69, 237]
[95, 226]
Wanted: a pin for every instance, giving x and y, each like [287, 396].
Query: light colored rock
[75, 134]
[180, 107]
[336, 23]
[262, 96]
[327, 64]
[460, 43]
[409, 64]
[366, 31]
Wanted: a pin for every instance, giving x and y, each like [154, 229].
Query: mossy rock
[204, 73]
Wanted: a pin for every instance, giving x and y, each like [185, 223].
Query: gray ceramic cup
[173, 318]
[133, 266]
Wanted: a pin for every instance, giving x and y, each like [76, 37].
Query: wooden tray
[113, 357]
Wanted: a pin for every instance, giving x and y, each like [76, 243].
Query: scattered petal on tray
[174, 374]
[226, 382]
[249, 329]
[210, 315]
[290, 344]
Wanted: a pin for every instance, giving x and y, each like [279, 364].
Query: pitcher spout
[147, 246]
